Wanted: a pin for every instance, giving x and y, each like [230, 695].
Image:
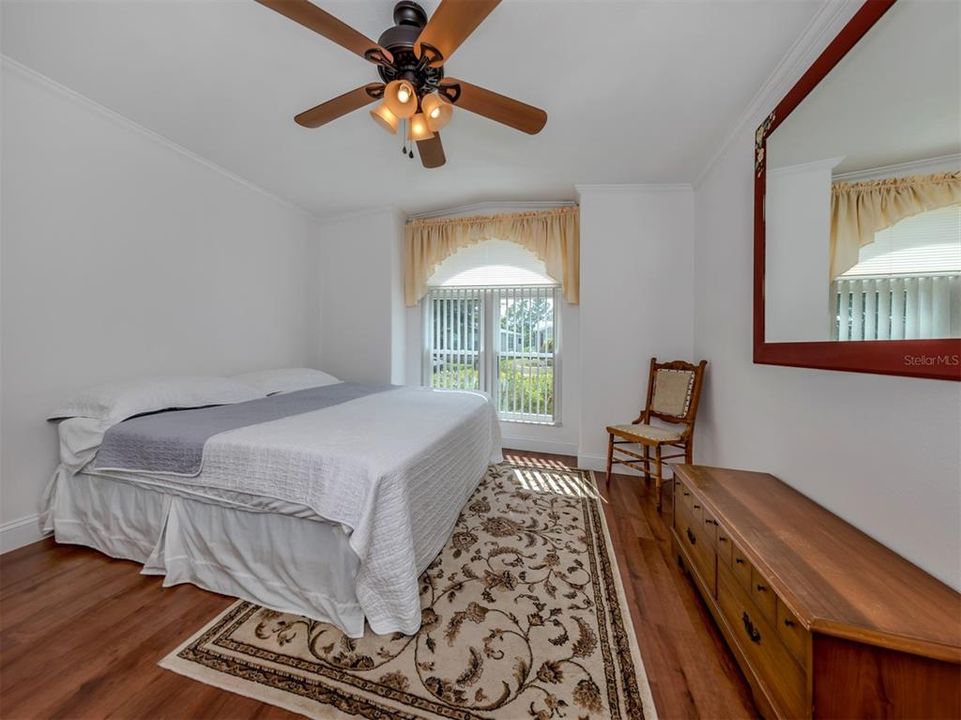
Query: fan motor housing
[409, 19]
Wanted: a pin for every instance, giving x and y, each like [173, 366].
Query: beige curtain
[858, 210]
[552, 235]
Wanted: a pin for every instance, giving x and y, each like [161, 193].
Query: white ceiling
[636, 92]
[896, 97]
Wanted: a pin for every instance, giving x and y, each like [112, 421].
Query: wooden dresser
[824, 621]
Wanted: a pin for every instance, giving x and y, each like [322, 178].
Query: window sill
[539, 423]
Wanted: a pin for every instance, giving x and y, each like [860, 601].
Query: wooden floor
[81, 634]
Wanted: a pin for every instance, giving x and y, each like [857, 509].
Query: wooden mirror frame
[938, 359]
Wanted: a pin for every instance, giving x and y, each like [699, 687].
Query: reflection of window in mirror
[906, 283]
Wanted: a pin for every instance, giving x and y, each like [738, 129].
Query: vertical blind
[501, 340]
[898, 307]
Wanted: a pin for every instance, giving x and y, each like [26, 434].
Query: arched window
[494, 263]
[492, 325]
[906, 284]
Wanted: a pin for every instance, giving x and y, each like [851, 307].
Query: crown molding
[823, 27]
[632, 187]
[490, 206]
[825, 164]
[361, 214]
[52, 85]
[925, 166]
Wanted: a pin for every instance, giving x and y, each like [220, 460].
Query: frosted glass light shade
[385, 118]
[419, 129]
[400, 98]
[438, 110]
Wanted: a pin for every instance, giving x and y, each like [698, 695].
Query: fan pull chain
[410, 154]
[403, 150]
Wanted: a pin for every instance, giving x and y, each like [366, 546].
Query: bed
[326, 501]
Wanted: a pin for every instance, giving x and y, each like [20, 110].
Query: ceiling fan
[410, 59]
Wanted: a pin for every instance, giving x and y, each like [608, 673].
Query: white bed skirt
[285, 563]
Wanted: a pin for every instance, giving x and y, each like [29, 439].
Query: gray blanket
[173, 441]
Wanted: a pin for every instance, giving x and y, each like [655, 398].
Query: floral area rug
[523, 617]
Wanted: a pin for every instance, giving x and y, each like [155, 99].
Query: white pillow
[271, 382]
[118, 401]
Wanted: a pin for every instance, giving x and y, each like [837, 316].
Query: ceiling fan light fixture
[385, 118]
[400, 98]
[438, 111]
[419, 129]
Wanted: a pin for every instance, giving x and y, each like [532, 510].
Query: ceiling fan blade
[490, 104]
[323, 23]
[340, 105]
[451, 24]
[431, 152]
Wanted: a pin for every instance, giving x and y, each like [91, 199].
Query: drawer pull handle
[710, 521]
[691, 536]
[761, 588]
[686, 493]
[752, 632]
[722, 539]
[788, 623]
[738, 561]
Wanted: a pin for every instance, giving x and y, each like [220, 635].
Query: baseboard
[534, 445]
[17, 533]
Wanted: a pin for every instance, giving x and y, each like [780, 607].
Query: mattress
[391, 468]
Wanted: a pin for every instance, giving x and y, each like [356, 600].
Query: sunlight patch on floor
[537, 462]
[556, 482]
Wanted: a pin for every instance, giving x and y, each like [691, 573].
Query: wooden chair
[673, 392]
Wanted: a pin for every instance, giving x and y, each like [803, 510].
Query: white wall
[637, 271]
[362, 315]
[637, 276]
[884, 453]
[123, 256]
[797, 286]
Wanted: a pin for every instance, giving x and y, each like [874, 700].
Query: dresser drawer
[685, 496]
[725, 547]
[795, 637]
[708, 526]
[767, 655]
[763, 596]
[742, 568]
[689, 531]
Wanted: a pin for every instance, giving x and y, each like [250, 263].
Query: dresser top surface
[833, 576]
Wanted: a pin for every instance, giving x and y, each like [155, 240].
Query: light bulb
[385, 118]
[419, 129]
[400, 98]
[438, 110]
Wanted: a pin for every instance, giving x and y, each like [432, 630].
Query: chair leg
[647, 464]
[610, 457]
[658, 478]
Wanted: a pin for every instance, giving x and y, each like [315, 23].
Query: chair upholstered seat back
[673, 390]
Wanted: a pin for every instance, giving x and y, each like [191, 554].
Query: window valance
[552, 235]
[858, 210]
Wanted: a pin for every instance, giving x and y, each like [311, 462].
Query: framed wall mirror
[857, 202]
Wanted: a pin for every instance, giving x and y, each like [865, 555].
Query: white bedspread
[395, 468]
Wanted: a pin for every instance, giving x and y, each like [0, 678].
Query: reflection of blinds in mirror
[897, 308]
[923, 244]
